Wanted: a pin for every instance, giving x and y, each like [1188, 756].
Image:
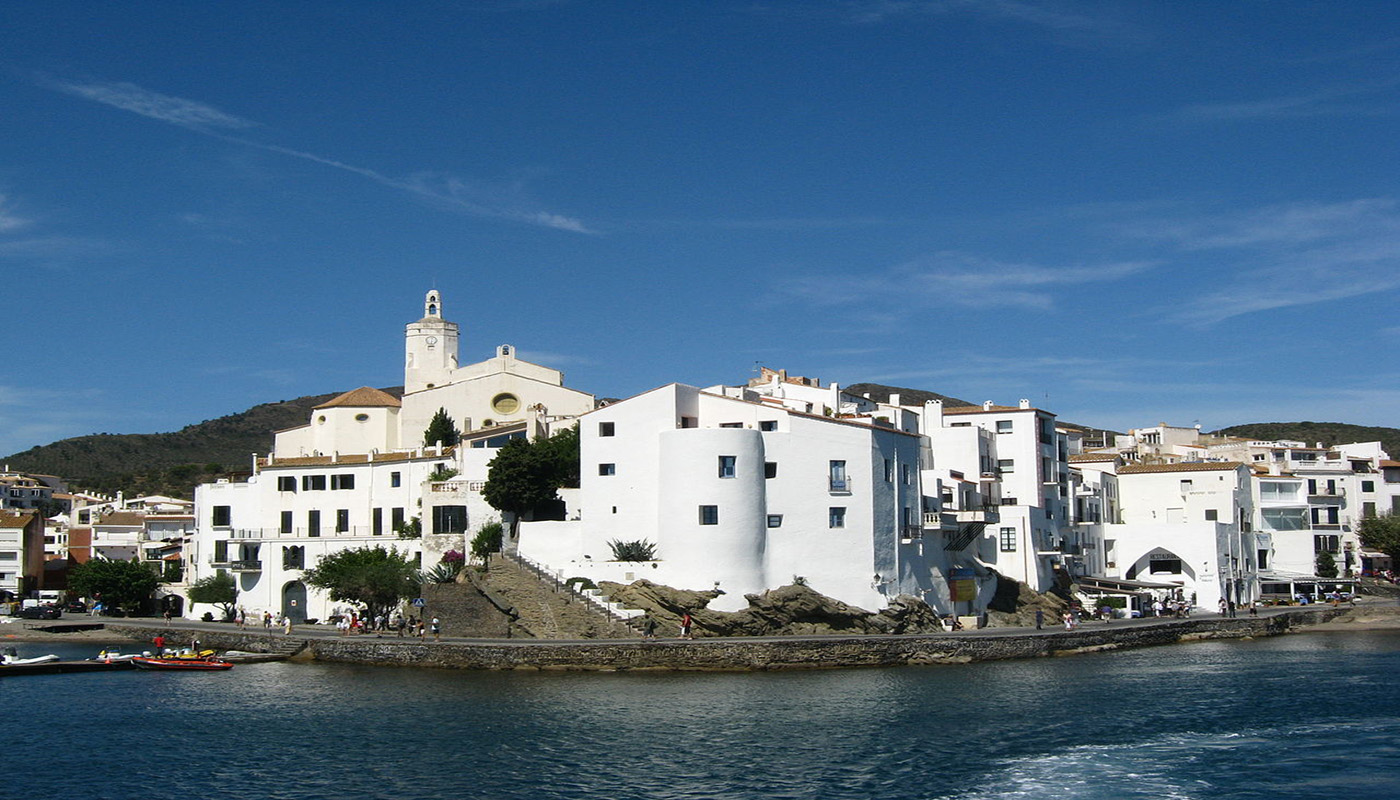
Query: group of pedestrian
[649, 627]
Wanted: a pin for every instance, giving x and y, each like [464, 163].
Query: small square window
[607, 429]
[770, 469]
[709, 515]
[768, 425]
[1006, 465]
[1212, 515]
[286, 483]
[836, 517]
[1003, 426]
[607, 469]
[727, 466]
[395, 479]
[775, 520]
[1008, 540]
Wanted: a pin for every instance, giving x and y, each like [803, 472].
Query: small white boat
[111, 656]
[11, 660]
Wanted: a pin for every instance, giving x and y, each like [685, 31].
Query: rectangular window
[313, 483]
[342, 481]
[837, 477]
[1368, 510]
[1185, 486]
[905, 475]
[1008, 540]
[286, 522]
[223, 516]
[709, 515]
[1003, 426]
[770, 469]
[449, 519]
[395, 479]
[294, 557]
[313, 523]
[1212, 515]
[342, 520]
[768, 425]
[1368, 486]
[731, 424]
[889, 471]
[775, 520]
[286, 483]
[726, 466]
[221, 551]
[9, 555]
[376, 517]
[690, 422]
[607, 469]
[396, 519]
[836, 517]
[1006, 466]
[607, 429]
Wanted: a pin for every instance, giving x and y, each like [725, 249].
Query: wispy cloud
[1289, 255]
[133, 98]
[9, 221]
[1360, 99]
[210, 121]
[1054, 17]
[960, 279]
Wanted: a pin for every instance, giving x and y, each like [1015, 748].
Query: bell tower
[430, 348]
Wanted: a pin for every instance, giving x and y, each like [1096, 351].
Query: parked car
[40, 612]
[76, 607]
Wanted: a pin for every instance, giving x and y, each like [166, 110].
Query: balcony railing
[246, 565]
[840, 485]
[910, 533]
[324, 532]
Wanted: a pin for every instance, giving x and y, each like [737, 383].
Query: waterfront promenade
[325, 644]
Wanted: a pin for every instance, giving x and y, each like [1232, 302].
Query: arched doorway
[294, 601]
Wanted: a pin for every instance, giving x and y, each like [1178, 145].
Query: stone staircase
[548, 611]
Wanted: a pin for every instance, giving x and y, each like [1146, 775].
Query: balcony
[841, 485]
[246, 565]
[910, 533]
[1327, 496]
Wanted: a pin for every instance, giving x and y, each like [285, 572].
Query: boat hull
[181, 664]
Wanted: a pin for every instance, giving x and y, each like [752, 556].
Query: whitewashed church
[358, 472]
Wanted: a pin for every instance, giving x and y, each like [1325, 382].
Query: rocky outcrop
[788, 610]
[1015, 604]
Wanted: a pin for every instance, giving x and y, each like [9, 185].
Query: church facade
[358, 473]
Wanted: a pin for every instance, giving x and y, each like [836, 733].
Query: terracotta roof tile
[1190, 466]
[363, 397]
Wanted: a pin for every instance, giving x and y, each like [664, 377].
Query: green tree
[525, 475]
[487, 541]
[1381, 533]
[1326, 564]
[218, 589]
[117, 584]
[441, 428]
[378, 578]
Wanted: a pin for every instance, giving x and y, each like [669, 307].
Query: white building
[744, 494]
[358, 472]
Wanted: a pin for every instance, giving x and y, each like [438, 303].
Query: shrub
[453, 557]
[442, 573]
[583, 583]
[639, 550]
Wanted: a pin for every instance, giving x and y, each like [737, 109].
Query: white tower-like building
[430, 348]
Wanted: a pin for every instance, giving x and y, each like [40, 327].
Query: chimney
[986, 405]
[1025, 403]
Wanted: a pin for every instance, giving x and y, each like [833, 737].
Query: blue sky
[1126, 212]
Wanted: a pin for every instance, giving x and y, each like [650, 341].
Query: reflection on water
[1308, 715]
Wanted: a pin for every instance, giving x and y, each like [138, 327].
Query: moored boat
[11, 660]
[199, 664]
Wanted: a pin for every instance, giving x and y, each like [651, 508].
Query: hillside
[169, 463]
[1310, 433]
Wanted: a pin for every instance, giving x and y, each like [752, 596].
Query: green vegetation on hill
[169, 463]
[1311, 433]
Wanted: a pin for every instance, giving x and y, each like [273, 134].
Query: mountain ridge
[174, 463]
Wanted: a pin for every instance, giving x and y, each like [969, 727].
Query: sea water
[1314, 715]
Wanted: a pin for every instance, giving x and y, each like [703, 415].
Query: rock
[1016, 609]
[787, 610]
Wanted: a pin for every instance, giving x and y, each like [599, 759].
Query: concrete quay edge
[731, 653]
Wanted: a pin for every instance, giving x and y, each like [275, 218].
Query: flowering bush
[454, 557]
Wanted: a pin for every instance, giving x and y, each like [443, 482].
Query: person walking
[436, 629]
[649, 629]
[1039, 618]
[286, 625]
[686, 622]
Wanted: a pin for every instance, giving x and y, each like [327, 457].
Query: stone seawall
[733, 653]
